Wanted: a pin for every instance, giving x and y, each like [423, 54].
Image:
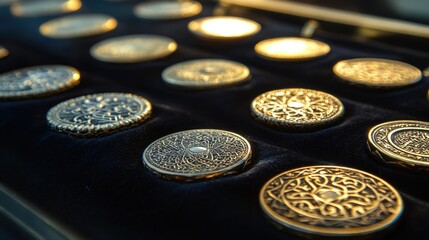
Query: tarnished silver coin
[167, 9]
[133, 48]
[206, 73]
[3, 52]
[37, 81]
[44, 7]
[98, 114]
[197, 154]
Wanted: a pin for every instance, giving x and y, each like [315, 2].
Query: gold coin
[206, 73]
[330, 201]
[379, 73]
[79, 25]
[167, 9]
[37, 81]
[44, 7]
[98, 114]
[197, 155]
[3, 52]
[291, 49]
[402, 143]
[133, 48]
[297, 108]
[223, 28]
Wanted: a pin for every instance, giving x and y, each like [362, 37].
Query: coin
[291, 49]
[133, 48]
[37, 81]
[330, 201]
[44, 7]
[3, 52]
[378, 73]
[197, 154]
[98, 114]
[79, 25]
[223, 28]
[167, 9]
[402, 143]
[206, 73]
[297, 108]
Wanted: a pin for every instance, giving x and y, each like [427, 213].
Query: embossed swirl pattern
[415, 141]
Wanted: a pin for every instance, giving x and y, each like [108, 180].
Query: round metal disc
[297, 108]
[378, 73]
[3, 52]
[197, 154]
[167, 9]
[79, 25]
[402, 143]
[291, 49]
[133, 48]
[98, 114]
[44, 7]
[37, 81]
[206, 73]
[330, 201]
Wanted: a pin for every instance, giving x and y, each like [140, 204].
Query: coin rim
[182, 15]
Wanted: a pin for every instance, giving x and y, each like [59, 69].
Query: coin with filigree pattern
[44, 7]
[99, 114]
[167, 9]
[377, 73]
[330, 201]
[37, 81]
[197, 155]
[206, 73]
[297, 109]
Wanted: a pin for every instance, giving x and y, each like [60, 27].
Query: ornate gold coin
[291, 49]
[133, 48]
[206, 73]
[297, 108]
[402, 143]
[167, 9]
[37, 81]
[98, 114]
[197, 154]
[44, 7]
[378, 73]
[79, 25]
[3, 52]
[330, 201]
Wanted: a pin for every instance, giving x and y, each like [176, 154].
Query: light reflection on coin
[291, 49]
[79, 25]
[330, 201]
[197, 154]
[98, 114]
[379, 73]
[3, 52]
[133, 48]
[206, 73]
[37, 81]
[44, 7]
[167, 9]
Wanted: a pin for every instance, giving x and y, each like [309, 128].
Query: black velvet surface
[99, 188]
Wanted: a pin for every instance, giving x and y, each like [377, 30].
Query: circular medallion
[98, 114]
[197, 154]
[44, 7]
[402, 143]
[133, 48]
[378, 73]
[167, 9]
[79, 25]
[37, 81]
[206, 73]
[330, 201]
[3, 52]
[297, 108]
[291, 49]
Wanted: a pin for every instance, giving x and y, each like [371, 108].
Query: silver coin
[44, 7]
[197, 154]
[167, 9]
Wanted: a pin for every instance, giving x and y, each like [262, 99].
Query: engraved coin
[197, 154]
[44, 7]
[378, 73]
[297, 108]
[167, 9]
[79, 25]
[37, 81]
[3, 52]
[330, 201]
[133, 48]
[206, 73]
[291, 49]
[98, 114]
[403, 143]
